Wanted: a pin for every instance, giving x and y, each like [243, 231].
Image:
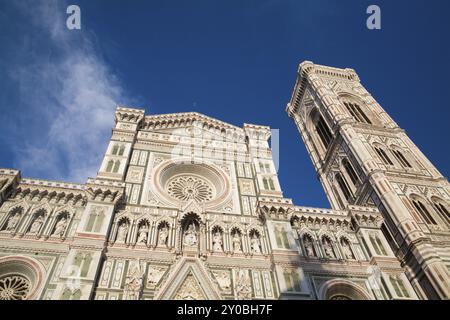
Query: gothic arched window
[261, 167]
[95, 221]
[401, 158]
[266, 184]
[118, 149]
[281, 238]
[271, 184]
[441, 208]
[323, 131]
[350, 171]
[355, 110]
[121, 150]
[109, 166]
[115, 149]
[423, 211]
[116, 166]
[344, 187]
[383, 155]
[377, 245]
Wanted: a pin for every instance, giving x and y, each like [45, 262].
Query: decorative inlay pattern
[188, 187]
[14, 288]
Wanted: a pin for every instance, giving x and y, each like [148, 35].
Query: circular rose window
[186, 187]
[180, 182]
[14, 287]
[21, 278]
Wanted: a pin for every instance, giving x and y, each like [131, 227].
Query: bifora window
[423, 211]
[401, 158]
[355, 110]
[383, 155]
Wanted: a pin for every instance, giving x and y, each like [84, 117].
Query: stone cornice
[52, 184]
[165, 119]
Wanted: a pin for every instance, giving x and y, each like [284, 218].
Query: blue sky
[232, 60]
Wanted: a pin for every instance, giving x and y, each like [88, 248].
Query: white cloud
[72, 93]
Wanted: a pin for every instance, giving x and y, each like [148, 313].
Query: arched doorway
[341, 289]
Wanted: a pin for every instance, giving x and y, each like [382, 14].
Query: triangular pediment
[189, 280]
[189, 289]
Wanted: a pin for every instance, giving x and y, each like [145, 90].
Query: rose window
[14, 288]
[185, 188]
[177, 182]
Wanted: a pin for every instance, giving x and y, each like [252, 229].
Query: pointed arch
[342, 184]
[350, 171]
[319, 131]
[442, 208]
[419, 204]
[342, 289]
[116, 166]
[109, 166]
[382, 154]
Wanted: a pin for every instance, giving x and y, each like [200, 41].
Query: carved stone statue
[310, 250]
[12, 222]
[133, 282]
[36, 225]
[142, 234]
[309, 247]
[122, 232]
[60, 227]
[190, 235]
[217, 242]
[347, 250]
[255, 244]
[328, 249]
[163, 235]
[236, 243]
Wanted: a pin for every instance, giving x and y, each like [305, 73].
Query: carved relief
[133, 282]
[154, 275]
[242, 285]
[223, 279]
[135, 174]
[189, 290]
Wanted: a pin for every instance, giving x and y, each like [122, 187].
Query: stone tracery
[14, 287]
[187, 187]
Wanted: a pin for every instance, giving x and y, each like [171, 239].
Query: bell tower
[362, 157]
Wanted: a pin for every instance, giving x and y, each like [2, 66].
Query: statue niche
[190, 230]
[61, 225]
[143, 232]
[190, 235]
[122, 231]
[255, 242]
[217, 239]
[236, 240]
[163, 234]
[37, 223]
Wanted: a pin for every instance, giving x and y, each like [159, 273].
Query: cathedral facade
[185, 206]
